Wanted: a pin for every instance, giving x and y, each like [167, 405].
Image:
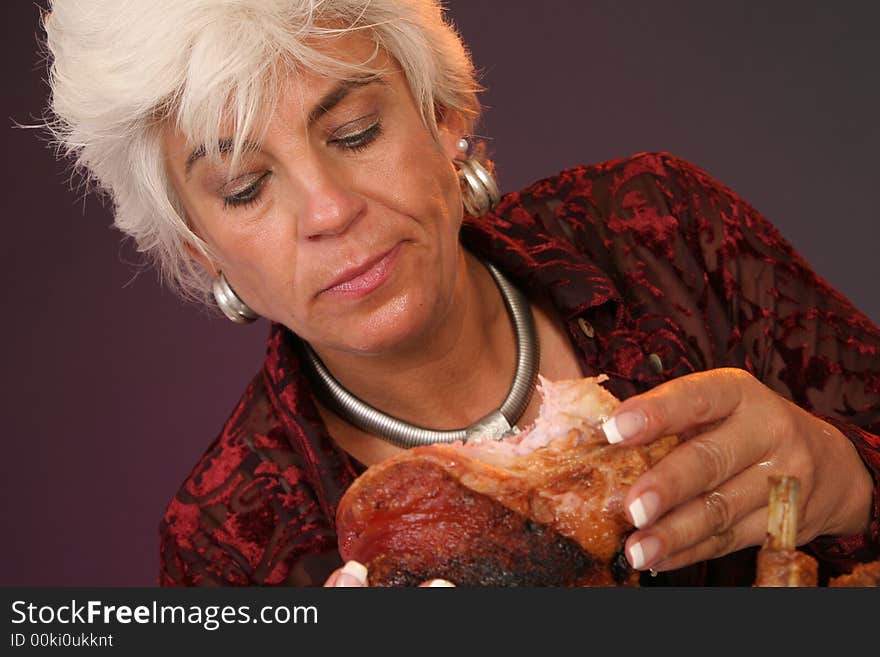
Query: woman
[309, 162]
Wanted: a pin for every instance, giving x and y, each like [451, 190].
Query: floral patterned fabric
[658, 271]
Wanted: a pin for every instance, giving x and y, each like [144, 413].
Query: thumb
[437, 582]
[352, 574]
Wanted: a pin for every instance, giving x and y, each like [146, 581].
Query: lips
[365, 277]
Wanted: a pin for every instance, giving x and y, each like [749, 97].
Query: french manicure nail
[441, 582]
[644, 509]
[623, 426]
[644, 552]
[353, 574]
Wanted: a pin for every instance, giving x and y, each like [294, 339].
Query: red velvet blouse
[658, 271]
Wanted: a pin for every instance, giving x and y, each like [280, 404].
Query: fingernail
[623, 426]
[441, 582]
[644, 508]
[353, 573]
[644, 552]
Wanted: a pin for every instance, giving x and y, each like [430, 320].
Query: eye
[359, 140]
[246, 195]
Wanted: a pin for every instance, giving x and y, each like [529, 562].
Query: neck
[454, 374]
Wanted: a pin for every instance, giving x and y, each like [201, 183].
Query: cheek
[269, 268]
[419, 179]
[441, 206]
[448, 206]
[452, 192]
[259, 259]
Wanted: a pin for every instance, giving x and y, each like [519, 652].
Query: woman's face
[342, 223]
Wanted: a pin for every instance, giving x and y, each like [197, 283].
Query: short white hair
[119, 70]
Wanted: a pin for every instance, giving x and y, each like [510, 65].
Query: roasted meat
[544, 507]
[779, 563]
[864, 574]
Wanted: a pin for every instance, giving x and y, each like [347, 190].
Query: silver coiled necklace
[493, 426]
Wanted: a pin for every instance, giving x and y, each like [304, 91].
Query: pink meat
[543, 507]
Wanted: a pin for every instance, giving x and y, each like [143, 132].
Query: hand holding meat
[708, 497]
[543, 507]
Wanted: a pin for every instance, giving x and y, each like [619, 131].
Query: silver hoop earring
[479, 190]
[229, 302]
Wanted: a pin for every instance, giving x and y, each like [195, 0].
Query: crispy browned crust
[465, 537]
[553, 517]
[786, 568]
[864, 574]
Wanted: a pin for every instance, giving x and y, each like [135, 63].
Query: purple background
[112, 389]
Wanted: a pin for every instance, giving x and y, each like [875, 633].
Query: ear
[451, 126]
[202, 259]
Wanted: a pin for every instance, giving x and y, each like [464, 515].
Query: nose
[329, 203]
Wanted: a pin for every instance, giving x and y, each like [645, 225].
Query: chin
[402, 332]
[400, 325]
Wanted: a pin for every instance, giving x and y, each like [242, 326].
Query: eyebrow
[224, 146]
[330, 100]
